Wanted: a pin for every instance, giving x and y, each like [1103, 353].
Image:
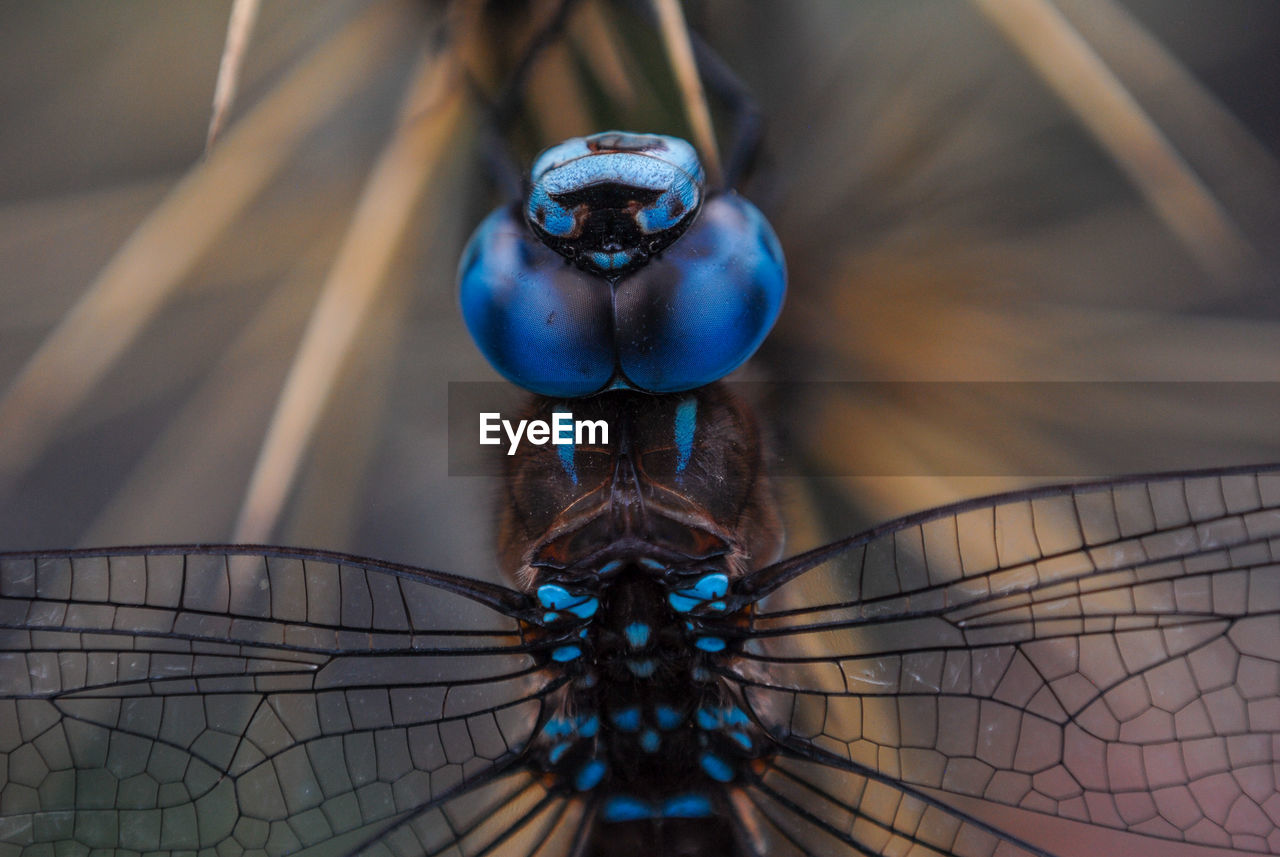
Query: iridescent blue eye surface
[543, 324]
[698, 311]
[616, 272]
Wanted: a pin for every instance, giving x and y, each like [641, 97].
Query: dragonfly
[416, 711]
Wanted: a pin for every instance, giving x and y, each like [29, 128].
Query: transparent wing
[804, 807]
[190, 699]
[1108, 654]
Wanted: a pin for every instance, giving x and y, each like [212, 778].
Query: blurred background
[1074, 202]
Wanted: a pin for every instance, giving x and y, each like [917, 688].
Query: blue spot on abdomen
[625, 808]
[692, 805]
[590, 775]
[637, 634]
[716, 768]
[650, 741]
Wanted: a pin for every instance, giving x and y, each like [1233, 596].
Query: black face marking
[606, 223]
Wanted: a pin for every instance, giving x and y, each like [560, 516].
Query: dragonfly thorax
[679, 487]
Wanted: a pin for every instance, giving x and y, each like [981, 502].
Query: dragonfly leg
[734, 93]
[747, 116]
[503, 110]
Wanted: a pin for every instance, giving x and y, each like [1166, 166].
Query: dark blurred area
[954, 207]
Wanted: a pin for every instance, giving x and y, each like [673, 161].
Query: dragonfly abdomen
[647, 733]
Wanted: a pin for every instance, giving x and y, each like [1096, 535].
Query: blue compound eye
[661, 323]
[720, 288]
[543, 324]
[610, 201]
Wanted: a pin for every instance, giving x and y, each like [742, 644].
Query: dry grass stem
[354, 283]
[128, 292]
[675, 36]
[244, 13]
[1075, 72]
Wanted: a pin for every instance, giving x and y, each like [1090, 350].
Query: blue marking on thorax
[706, 589]
[568, 459]
[709, 644]
[743, 740]
[588, 726]
[716, 768]
[558, 751]
[650, 741]
[637, 634]
[686, 424]
[712, 586]
[707, 718]
[690, 805]
[682, 603]
[590, 775]
[564, 654]
[554, 597]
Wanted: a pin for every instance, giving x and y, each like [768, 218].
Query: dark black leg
[718, 77]
[735, 95]
[506, 168]
[747, 117]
